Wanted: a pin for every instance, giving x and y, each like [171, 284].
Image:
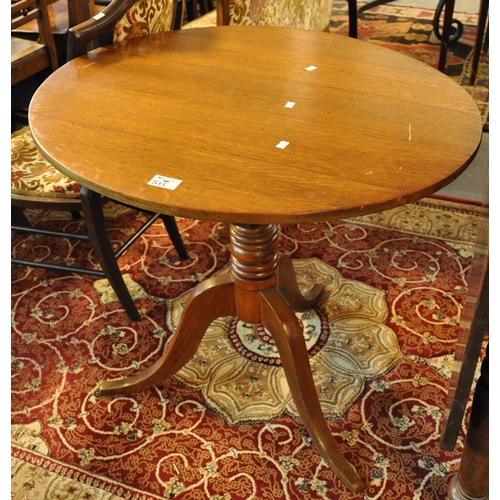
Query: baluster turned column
[254, 265]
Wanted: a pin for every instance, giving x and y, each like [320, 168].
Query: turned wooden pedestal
[260, 289]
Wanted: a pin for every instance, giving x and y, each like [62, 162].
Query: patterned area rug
[225, 428]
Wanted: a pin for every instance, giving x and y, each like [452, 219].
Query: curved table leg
[281, 322]
[287, 284]
[208, 301]
[260, 289]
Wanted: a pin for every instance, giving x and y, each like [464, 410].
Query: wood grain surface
[370, 129]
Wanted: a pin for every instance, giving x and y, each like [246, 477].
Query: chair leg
[203, 5]
[18, 218]
[173, 232]
[191, 9]
[96, 227]
[486, 45]
[481, 26]
[353, 18]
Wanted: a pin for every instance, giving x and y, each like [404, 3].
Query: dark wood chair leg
[173, 232]
[486, 45]
[472, 480]
[96, 227]
[474, 325]
[203, 5]
[481, 27]
[18, 218]
[191, 9]
[353, 18]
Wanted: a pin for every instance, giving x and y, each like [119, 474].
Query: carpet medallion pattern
[237, 366]
[380, 344]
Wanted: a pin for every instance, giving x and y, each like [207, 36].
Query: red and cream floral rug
[380, 341]
[381, 345]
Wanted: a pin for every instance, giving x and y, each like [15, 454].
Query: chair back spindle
[35, 183]
[123, 20]
[29, 57]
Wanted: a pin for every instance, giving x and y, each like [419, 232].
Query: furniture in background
[286, 13]
[446, 34]
[450, 31]
[274, 98]
[438, 30]
[472, 480]
[197, 8]
[353, 18]
[37, 184]
[29, 57]
[63, 14]
[122, 20]
[481, 43]
[223, 16]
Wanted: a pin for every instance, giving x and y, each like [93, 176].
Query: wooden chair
[37, 184]
[123, 19]
[313, 15]
[197, 8]
[63, 15]
[481, 43]
[29, 57]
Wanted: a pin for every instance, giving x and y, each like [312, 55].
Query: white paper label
[289, 104]
[311, 68]
[282, 144]
[164, 182]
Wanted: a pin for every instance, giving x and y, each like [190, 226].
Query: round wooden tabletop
[361, 128]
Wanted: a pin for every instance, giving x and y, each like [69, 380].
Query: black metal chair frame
[96, 32]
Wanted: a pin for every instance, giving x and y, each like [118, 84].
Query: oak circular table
[254, 126]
